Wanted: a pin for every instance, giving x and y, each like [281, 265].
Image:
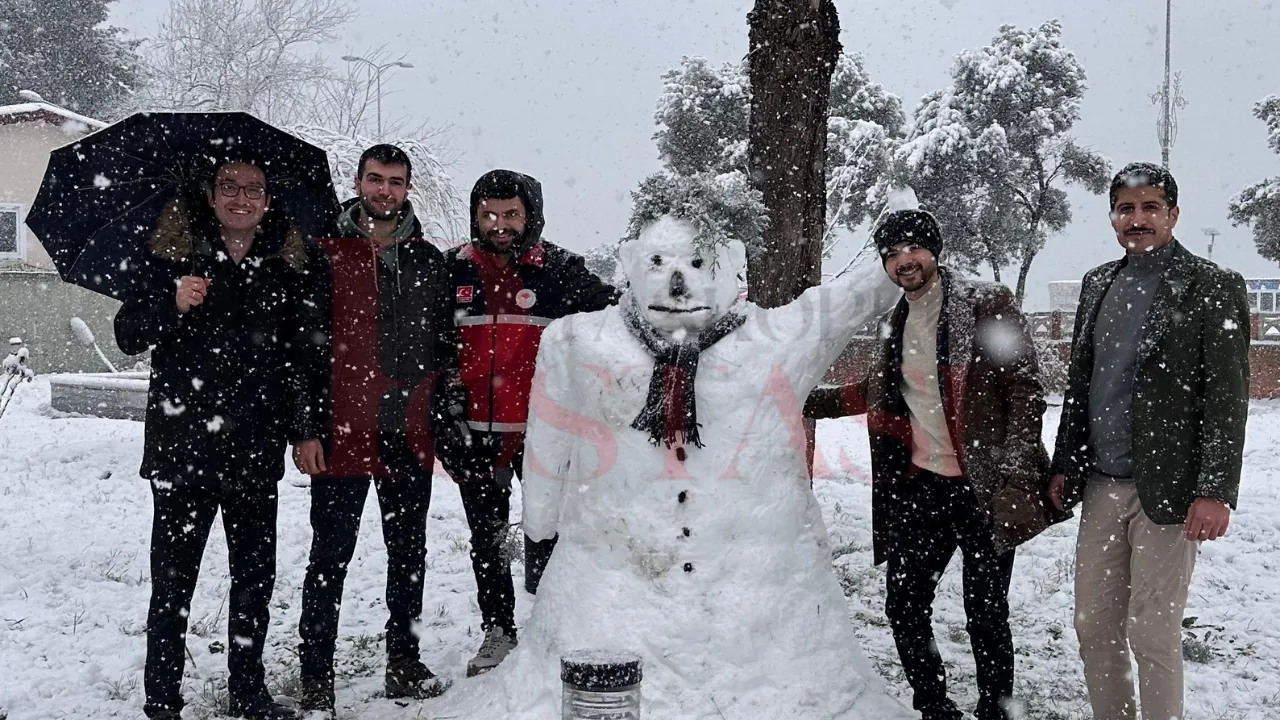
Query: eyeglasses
[230, 190]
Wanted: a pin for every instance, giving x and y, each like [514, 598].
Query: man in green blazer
[1150, 442]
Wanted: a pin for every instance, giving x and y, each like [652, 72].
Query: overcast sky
[565, 90]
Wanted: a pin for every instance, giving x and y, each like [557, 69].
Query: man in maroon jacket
[390, 333]
[508, 284]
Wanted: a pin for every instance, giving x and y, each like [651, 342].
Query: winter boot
[315, 698]
[536, 555]
[495, 648]
[944, 713]
[409, 678]
[262, 707]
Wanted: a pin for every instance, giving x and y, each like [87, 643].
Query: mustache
[905, 269]
[1139, 230]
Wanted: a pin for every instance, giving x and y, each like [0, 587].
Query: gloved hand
[455, 446]
[453, 403]
[502, 477]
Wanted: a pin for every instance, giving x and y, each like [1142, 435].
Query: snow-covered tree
[63, 51]
[854, 96]
[864, 125]
[1258, 205]
[990, 154]
[603, 261]
[260, 56]
[703, 117]
[435, 200]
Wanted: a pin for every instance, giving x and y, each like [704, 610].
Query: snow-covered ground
[75, 518]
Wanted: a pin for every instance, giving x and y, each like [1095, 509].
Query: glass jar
[600, 685]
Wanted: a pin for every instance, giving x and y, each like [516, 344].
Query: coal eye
[697, 263]
[656, 260]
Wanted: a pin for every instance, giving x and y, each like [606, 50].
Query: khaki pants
[1132, 577]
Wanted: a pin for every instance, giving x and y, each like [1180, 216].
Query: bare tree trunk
[1021, 291]
[794, 48]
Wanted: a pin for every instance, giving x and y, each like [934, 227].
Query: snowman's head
[681, 284]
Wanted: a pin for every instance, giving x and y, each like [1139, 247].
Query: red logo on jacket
[465, 293]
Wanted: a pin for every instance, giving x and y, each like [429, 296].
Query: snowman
[666, 450]
[16, 363]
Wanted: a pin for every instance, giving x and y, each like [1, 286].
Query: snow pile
[74, 584]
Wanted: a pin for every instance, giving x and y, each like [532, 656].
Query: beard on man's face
[377, 213]
[502, 240]
[912, 276]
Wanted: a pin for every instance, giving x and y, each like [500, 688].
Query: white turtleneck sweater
[931, 447]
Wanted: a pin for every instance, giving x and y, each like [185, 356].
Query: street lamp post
[1213, 234]
[377, 74]
[1169, 96]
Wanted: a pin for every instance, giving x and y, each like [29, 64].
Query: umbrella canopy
[102, 194]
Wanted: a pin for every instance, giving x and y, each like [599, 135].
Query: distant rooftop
[37, 111]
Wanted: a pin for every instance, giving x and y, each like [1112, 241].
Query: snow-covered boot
[495, 648]
[409, 678]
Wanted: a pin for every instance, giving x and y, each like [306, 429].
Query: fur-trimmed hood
[175, 240]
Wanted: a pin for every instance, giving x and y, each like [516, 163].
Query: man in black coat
[391, 330]
[232, 305]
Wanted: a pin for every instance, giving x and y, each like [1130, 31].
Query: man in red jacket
[391, 331]
[508, 285]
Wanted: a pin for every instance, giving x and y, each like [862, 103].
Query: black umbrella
[102, 194]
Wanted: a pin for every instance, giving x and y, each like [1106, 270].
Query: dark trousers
[932, 516]
[336, 507]
[179, 529]
[487, 502]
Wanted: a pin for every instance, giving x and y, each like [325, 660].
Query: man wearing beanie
[954, 404]
[508, 284]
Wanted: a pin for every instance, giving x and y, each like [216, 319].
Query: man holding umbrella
[199, 223]
[229, 309]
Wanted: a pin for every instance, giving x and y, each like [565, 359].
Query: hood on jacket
[503, 185]
[175, 237]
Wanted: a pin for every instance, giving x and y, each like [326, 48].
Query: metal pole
[377, 69]
[1166, 110]
[1213, 235]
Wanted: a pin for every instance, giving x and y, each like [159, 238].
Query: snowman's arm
[816, 327]
[548, 445]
